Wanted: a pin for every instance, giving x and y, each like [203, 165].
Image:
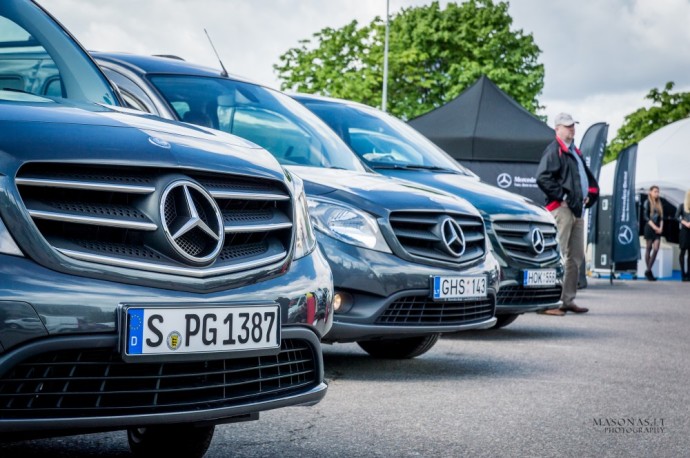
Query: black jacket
[558, 176]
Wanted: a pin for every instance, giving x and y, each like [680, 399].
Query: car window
[381, 139]
[39, 62]
[272, 120]
[132, 94]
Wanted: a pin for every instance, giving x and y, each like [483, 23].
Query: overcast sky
[601, 57]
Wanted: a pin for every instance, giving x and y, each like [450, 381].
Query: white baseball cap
[564, 119]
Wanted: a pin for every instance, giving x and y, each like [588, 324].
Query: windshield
[42, 63]
[381, 140]
[266, 117]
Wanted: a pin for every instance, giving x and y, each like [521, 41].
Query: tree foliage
[434, 54]
[666, 108]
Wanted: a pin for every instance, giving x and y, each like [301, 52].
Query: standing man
[570, 188]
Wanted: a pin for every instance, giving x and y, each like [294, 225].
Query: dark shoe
[554, 312]
[649, 275]
[574, 308]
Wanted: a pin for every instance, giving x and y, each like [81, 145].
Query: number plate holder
[458, 288]
[173, 332]
[539, 278]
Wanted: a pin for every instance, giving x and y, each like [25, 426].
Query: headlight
[7, 243]
[305, 240]
[347, 224]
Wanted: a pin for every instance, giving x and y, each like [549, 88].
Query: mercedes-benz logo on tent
[538, 242]
[625, 235]
[192, 222]
[504, 180]
[453, 237]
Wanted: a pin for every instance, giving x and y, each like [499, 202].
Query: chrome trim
[92, 220]
[256, 227]
[91, 186]
[247, 195]
[191, 272]
[192, 219]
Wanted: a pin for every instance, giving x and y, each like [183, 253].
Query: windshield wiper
[433, 168]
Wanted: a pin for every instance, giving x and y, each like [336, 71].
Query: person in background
[570, 188]
[653, 213]
[683, 216]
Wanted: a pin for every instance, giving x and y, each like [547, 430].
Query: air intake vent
[89, 383]
[422, 311]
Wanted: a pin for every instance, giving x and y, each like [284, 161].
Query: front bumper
[515, 298]
[61, 370]
[391, 297]
[78, 383]
[69, 304]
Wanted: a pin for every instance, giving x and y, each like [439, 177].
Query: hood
[491, 201]
[97, 134]
[377, 194]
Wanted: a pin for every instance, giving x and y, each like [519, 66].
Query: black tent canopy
[485, 124]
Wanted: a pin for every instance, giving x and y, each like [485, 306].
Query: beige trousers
[571, 238]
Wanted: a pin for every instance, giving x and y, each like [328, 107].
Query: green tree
[434, 54]
[666, 108]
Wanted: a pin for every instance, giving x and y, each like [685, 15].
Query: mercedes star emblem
[192, 222]
[453, 237]
[537, 237]
[504, 180]
[625, 235]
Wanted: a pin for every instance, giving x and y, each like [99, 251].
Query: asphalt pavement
[609, 383]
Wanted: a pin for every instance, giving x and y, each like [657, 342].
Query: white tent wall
[663, 159]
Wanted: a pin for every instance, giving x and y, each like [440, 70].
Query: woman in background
[683, 217]
[653, 227]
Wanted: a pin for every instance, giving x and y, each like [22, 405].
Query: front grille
[89, 383]
[421, 236]
[519, 295]
[112, 216]
[515, 237]
[422, 311]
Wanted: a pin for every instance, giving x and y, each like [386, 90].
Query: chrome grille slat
[247, 196]
[110, 215]
[418, 233]
[85, 185]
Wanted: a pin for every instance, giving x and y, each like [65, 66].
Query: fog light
[342, 302]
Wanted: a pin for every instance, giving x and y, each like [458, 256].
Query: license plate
[175, 330]
[539, 277]
[463, 288]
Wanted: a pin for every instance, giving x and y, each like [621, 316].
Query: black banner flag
[625, 231]
[592, 148]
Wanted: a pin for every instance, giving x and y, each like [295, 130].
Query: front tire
[186, 440]
[504, 320]
[406, 348]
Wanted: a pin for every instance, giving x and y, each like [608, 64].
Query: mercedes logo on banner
[538, 242]
[453, 237]
[192, 222]
[504, 180]
[625, 235]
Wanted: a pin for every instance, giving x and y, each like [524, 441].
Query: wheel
[185, 440]
[406, 348]
[504, 320]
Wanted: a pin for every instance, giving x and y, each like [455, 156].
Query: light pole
[384, 98]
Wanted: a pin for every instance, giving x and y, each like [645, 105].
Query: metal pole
[384, 98]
